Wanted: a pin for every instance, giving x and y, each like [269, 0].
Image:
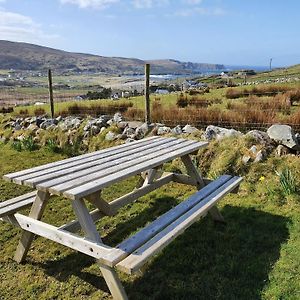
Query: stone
[260, 156]
[110, 122]
[215, 132]
[135, 124]
[163, 130]
[253, 149]
[176, 130]
[110, 136]
[122, 125]
[189, 129]
[281, 150]
[94, 129]
[117, 118]
[284, 135]
[260, 137]
[46, 124]
[139, 133]
[246, 159]
[129, 131]
[102, 129]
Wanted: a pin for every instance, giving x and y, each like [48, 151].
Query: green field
[256, 255]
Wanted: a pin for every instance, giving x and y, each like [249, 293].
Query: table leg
[194, 173]
[36, 212]
[109, 274]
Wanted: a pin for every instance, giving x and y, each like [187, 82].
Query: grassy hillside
[23, 56]
[256, 255]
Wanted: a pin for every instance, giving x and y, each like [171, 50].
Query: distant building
[162, 91]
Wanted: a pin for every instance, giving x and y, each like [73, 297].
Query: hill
[24, 56]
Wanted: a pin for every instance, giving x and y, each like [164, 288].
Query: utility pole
[51, 93]
[147, 94]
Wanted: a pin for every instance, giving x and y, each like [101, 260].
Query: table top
[83, 175]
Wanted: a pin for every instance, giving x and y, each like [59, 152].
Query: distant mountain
[23, 56]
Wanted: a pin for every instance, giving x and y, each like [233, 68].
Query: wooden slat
[151, 161]
[33, 178]
[12, 176]
[62, 184]
[134, 242]
[17, 199]
[138, 258]
[83, 245]
[60, 176]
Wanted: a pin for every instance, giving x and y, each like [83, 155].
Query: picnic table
[82, 179]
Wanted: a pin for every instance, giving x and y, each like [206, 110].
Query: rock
[46, 124]
[70, 123]
[110, 136]
[177, 130]
[122, 125]
[117, 118]
[253, 149]
[281, 150]
[110, 122]
[94, 129]
[260, 137]
[215, 132]
[58, 119]
[260, 156]
[135, 124]
[129, 131]
[284, 135]
[189, 129]
[17, 126]
[102, 129]
[246, 159]
[139, 133]
[163, 130]
[39, 121]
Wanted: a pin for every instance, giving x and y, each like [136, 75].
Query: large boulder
[215, 132]
[189, 129]
[260, 137]
[284, 135]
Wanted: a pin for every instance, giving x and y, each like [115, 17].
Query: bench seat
[133, 253]
[13, 205]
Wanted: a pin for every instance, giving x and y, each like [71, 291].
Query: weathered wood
[74, 225]
[36, 212]
[51, 93]
[101, 204]
[139, 257]
[134, 195]
[152, 161]
[63, 237]
[78, 159]
[97, 160]
[89, 228]
[62, 182]
[134, 242]
[193, 171]
[147, 94]
[11, 206]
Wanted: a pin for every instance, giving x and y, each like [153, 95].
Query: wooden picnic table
[82, 178]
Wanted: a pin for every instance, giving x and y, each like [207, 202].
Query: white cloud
[199, 11]
[90, 3]
[17, 27]
[192, 2]
[149, 3]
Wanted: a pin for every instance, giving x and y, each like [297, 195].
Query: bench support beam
[36, 213]
[112, 280]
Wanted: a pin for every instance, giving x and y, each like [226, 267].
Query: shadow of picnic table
[209, 261]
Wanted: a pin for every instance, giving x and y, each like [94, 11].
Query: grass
[256, 255]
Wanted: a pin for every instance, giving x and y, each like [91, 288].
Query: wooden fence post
[51, 93]
[147, 94]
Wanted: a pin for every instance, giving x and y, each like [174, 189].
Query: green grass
[256, 255]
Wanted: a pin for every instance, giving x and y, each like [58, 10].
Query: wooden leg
[194, 173]
[36, 212]
[109, 274]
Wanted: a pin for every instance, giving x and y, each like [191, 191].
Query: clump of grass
[39, 111]
[52, 146]
[17, 145]
[287, 181]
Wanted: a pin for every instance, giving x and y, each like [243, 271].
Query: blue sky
[233, 32]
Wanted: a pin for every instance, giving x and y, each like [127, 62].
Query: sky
[231, 32]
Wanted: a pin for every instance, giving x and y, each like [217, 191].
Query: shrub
[287, 181]
[29, 144]
[17, 145]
